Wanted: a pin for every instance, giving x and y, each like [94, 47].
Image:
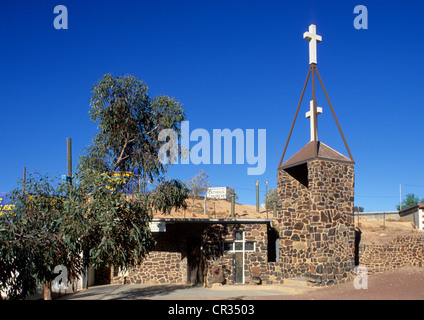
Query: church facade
[208, 251]
[312, 235]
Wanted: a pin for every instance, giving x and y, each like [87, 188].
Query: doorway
[194, 261]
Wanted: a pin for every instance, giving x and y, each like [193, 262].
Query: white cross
[313, 114]
[313, 40]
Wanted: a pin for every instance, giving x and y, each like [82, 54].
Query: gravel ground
[399, 284]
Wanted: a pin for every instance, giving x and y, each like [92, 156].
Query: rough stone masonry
[315, 213]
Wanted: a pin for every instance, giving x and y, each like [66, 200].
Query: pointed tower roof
[312, 151]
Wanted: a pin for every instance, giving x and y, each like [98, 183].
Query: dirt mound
[380, 231]
[216, 209]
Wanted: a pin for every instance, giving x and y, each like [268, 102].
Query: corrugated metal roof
[411, 209]
[315, 150]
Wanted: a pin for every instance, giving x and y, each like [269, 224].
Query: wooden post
[384, 220]
[69, 162]
[266, 198]
[24, 179]
[257, 196]
[47, 290]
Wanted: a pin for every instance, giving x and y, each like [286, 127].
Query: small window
[239, 235]
[228, 246]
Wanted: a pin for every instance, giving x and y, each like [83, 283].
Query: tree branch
[120, 158]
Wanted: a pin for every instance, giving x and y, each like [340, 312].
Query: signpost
[157, 226]
[5, 202]
[219, 192]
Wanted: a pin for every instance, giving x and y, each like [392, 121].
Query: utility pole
[69, 152]
[257, 196]
[266, 197]
[400, 197]
[233, 211]
[24, 179]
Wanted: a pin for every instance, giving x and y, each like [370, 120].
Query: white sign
[157, 226]
[219, 192]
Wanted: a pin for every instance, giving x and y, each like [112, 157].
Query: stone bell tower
[315, 200]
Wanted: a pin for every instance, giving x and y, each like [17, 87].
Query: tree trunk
[47, 290]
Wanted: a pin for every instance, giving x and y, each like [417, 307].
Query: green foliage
[410, 200]
[118, 211]
[32, 237]
[103, 217]
[112, 226]
[271, 198]
[129, 122]
[170, 194]
[358, 209]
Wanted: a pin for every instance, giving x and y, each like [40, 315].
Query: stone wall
[168, 263]
[403, 251]
[253, 260]
[158, 268]
[315, 214]
[270, 272]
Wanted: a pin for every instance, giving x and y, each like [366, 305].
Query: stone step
[290, 286]
[297, 285]
[300, 282]
[294, 289]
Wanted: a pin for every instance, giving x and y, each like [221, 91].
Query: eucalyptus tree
[100, 218]
[33, 240]
[120, 181]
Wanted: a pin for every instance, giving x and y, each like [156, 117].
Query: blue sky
[233, 64]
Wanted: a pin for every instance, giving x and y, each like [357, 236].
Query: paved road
[405, 283]
[182, 292]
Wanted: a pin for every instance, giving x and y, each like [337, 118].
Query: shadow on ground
[124, 292]
[150, 291]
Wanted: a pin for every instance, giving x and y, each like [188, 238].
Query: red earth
[399, 284]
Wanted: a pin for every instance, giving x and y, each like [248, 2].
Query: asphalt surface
[183, 292]
[401, 284]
